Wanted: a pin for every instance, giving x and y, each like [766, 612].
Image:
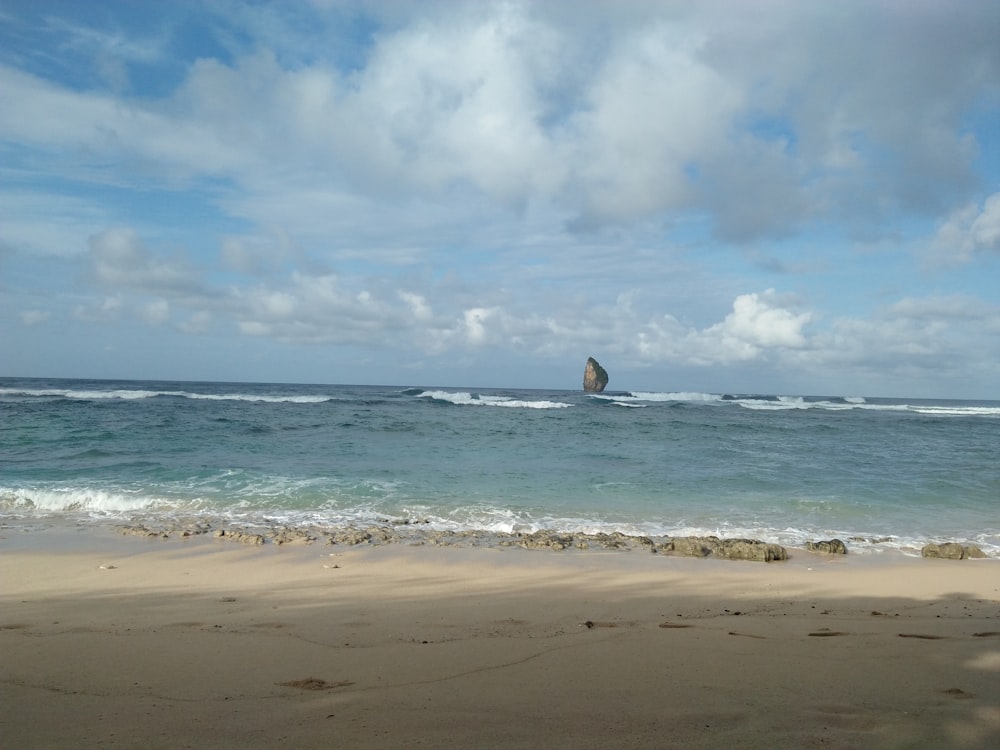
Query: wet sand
[121, 642]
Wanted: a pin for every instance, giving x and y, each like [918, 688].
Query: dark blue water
[782, 469]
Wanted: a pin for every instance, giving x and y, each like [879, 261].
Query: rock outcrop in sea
[595, 377]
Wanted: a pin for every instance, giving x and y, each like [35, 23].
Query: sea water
[879, 473]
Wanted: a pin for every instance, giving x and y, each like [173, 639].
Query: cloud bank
[781, 192]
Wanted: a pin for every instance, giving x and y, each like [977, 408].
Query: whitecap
[464, 398]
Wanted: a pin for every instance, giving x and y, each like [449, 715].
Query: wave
[676, 396]
[785, 403]
[789, 402]
[99, 506]
[957, 411]
[123, 394]
[465, 398]
[82, 501]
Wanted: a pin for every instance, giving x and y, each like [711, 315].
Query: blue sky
[780, 197]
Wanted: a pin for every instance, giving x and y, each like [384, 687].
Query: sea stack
[595, 377]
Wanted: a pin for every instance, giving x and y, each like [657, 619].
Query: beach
[117, 641]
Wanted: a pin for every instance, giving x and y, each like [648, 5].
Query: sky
[764, 196]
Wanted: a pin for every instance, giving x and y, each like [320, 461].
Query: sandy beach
[120, 642]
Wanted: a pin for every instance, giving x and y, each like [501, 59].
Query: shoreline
[387, 532]
[123, 641]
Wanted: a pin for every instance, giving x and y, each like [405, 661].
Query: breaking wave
[465, 398]
[123, 394]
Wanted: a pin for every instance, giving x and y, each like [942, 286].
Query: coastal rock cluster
[413, 533]
[402, 532]
[730, 549]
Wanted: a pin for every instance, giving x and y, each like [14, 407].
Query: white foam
[675, 396]
[247, 507]
[123, 394]
[254, 397]
[134, 395]
[782, 403]
[78, 500]
[957, 411]
[464, 398]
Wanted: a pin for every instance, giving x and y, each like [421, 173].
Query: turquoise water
[782, 469]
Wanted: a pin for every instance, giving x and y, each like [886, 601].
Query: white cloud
[258, 255]
[459, 102]
[955, 307]
[120, 259]
[475, 324]
[419, 307]
[34, 317]
[199, 323]
[104, 310]
[929, 338]
[472, 180]
[677, 110]
[654, 109]
[759, 321]
[758, 328]
[156, 312]
[968, 232]
[42, 223]
[316, 309]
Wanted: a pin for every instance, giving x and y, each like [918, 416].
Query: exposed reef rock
[240, 536]
[595, 377]
[731, 549]
[830, 546]
[404, 532]
[414, 533]
[951, 551]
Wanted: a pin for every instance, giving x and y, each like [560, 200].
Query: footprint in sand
[590, 624]
[957, 693]
[314, 683]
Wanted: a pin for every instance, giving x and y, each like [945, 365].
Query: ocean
[879, 473]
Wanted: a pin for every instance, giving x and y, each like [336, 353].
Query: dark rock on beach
[546, 540]
[830, 546]
[140, 530]
[952, 551]
[368, 535]
[687, 546]
[290, 535]
[411, 534]
[595, 377]
[241, 536]
[730, 549]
